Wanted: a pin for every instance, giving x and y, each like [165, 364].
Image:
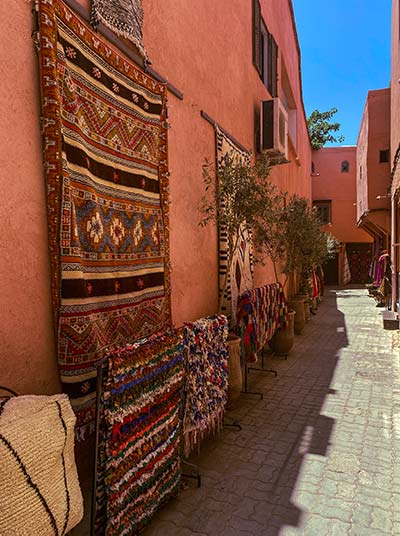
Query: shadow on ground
[253, 481]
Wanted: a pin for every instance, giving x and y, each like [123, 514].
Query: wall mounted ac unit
[274, 129]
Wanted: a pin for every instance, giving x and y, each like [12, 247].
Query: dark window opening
[324, 211]
[312, 167]
[384, 156]
[345, 166]
[265, 51]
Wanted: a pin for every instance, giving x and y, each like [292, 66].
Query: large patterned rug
[105, 157]
[240, 277]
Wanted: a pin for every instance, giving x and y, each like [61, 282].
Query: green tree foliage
[237, 193]
[321, 129]
[289, 233]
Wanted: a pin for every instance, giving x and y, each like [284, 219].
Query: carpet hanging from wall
[124, 17]
[105, 159]
[206, 378]
[240, 276]
[141, 427]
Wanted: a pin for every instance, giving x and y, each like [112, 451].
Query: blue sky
[345, 51]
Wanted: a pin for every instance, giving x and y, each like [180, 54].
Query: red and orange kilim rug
[105, 157]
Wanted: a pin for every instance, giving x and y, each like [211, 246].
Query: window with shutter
[257, 37]
[273, 67]
[265, 51]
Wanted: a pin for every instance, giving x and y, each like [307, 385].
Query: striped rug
[105, 157]
[240, 277]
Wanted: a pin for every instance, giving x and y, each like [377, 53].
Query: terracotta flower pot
[306, 299]
[299, 320]
[234, 371]
[283, 339]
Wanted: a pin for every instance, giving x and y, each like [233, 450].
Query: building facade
[221, 62]
[373, 172]
[395, 148]
[335, 197]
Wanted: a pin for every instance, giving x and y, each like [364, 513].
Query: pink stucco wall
[362, 164]
[373, 177]
[207, 54]
[27, 357]
[340, 188]
[395, 88]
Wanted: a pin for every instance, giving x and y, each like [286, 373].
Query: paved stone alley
[319, 455]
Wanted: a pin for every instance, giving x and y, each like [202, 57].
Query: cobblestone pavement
[319, 455]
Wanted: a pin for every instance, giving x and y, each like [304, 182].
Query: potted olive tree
[272, 238]
[290, 235]
[237, 193]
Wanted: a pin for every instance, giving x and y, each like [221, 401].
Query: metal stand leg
[246, 389]
[232, 423]
[194, 472]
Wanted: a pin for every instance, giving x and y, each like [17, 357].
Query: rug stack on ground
[240, 277]
[139, 453]
[260, 312]
[206, 378]
[105, 157]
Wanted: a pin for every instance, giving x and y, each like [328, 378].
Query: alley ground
[319, 455]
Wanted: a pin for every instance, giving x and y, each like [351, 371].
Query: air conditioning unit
[274, 129]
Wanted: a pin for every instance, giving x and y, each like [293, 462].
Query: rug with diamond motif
[105, 158]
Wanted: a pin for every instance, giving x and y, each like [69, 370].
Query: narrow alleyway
[319, 455]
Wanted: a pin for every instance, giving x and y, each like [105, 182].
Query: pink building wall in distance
[340, 188]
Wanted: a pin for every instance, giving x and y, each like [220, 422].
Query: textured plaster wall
[207, 54]
[27, 357]
[395, 88]
[373, 177]
[378, 139]
[340, 188]
[362, 167]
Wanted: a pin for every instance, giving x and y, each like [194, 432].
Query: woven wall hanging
[105, 157]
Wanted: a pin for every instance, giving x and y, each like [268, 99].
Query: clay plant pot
[306, 299]
[234, 371]
[283, 339]
[297, 305]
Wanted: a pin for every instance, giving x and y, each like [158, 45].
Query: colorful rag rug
[141, 428]
[124, 17]
[105, 158]
[260, 312]
[206, 378]
[240, 277]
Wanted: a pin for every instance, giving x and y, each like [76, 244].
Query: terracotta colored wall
[362, 164]
[27, 361]
[374, 136]
[395, 86]
[378, 139]
[207, 54]
[340, 188]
